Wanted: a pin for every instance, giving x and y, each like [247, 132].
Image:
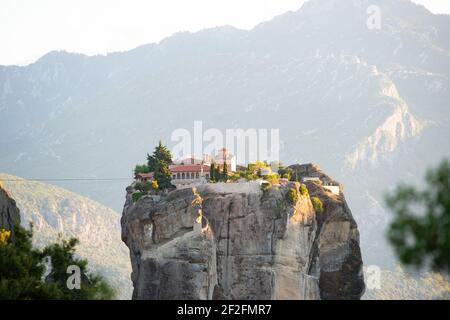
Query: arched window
[197, 175]
[183, 176]
[178, 175]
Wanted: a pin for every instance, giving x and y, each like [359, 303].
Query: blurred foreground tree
[420, 230]
[23, 268]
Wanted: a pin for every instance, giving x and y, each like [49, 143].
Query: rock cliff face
[9, 213]
[252, 244]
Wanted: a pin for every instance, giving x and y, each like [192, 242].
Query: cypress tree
[212, 172]
[225, 172]
[217, 174]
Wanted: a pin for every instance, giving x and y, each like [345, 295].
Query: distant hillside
[54, 210]
[401, 285]
[371, 106]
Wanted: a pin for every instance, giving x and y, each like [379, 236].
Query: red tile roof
[177, 168]
[188, 168]
[145, 175]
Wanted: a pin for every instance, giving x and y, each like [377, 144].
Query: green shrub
[137, 195]
[154, 185]
[255, 167]
[234, 176]
[303, 189]
[141, 169]
[292, 196]
[286, 173]
[265, 186]
[317, 204]
[144, 186]
[248, 176]
[272, 179]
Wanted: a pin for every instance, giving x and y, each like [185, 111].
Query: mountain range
[369, 105]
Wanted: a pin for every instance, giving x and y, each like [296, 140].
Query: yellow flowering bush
[4, 236]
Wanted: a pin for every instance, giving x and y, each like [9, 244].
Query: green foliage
[420, 230]
[234, 176]
[255, 167]
[62, 255]
[248, 175]
[253, 171]
[137, 195]
[160, 154]
[225, 172]
[265, 186]
[212, 172]
[215, 175]
[141, 169]
[303, 189]
[292, 196]
[317, 204]
[285, 172]
[22, 271]
[163, 175]
[272, 178]
[143, 186]
[159, 163]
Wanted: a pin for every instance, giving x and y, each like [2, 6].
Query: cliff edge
[251, 244]
[9, 213]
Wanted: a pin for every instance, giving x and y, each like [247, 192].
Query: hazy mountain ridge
[54, 211]
[371, 106]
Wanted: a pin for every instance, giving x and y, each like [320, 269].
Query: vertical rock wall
[9, 213]
[251, 245]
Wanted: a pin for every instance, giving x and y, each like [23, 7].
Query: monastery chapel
[192, 170]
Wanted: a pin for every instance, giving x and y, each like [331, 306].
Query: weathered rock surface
[251, 245]
[9, 213]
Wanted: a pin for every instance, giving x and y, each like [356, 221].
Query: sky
[31, 28]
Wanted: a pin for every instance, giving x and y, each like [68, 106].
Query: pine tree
[225, 172]
[163, 175]
[159, 163]
[217, 174]
[161, 153]
[212, 172]
[22, 271]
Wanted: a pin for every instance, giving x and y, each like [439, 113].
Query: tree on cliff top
[212, 172]
[225, 172]
[159, 163]
[160, 154]
[420, 230]
[22, 270]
